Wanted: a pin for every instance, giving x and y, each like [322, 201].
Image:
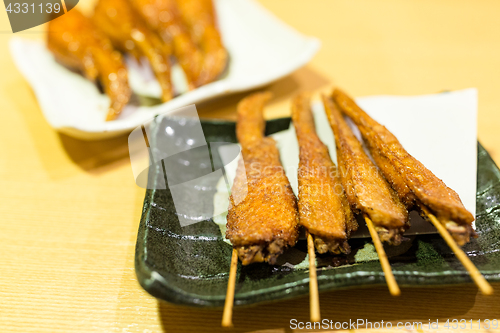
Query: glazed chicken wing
[163, 17]
[366, 189]
[413, 182]
[262, 217]
[199, 16]
[77, 43]
[119, 21]
[323, 207]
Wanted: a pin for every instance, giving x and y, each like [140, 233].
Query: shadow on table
[91, 156]
[371, 304]
[96, 156]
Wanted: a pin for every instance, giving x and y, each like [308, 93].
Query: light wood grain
[70, 209]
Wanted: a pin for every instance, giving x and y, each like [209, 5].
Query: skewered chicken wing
[262, 219]
[199, 16]
[323, 207]
[76, 42]
[163, 17]
[366, 189]
[413, 182]
[118, 20]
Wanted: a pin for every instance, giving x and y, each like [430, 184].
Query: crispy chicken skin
[76, 42]
[323, 207]
[128, 33]
[413, 182]
[366, 189]
[163, 16]
[262, 217]
[199, 15]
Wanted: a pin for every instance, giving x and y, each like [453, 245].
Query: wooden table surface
[70, 209]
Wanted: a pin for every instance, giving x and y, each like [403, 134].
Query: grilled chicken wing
[76, 42]
[128, 33]
[323, 207]
[366, 189]
[163, 17]
[199, 16]
[413, 182]
[262, 219]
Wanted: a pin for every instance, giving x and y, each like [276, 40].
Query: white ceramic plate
[262, 49]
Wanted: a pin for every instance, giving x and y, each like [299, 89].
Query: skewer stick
[313, 281]
[384, 262]
[227, 315]
[474, 273]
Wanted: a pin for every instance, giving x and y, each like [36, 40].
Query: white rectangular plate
[262, 49]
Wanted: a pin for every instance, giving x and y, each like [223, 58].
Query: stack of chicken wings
[161, 31]
[264, 214]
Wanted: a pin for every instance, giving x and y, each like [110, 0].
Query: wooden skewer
[227, 315]
[384, 262]
[313, 281]
[474, 273]
[64, 6]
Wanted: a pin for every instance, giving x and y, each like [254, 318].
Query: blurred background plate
[261, 48]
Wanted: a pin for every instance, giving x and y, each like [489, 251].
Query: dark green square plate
[189, 265]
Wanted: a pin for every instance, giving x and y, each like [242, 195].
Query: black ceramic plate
[189, 265]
